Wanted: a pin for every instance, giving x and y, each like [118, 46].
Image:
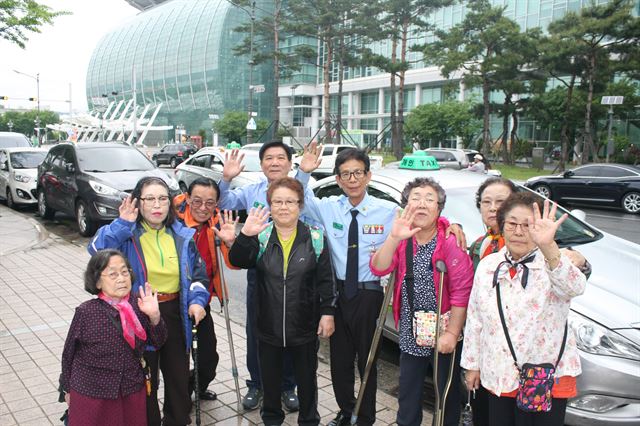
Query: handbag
[424, 322]
[536, 380]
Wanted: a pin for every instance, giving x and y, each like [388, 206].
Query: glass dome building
[181, 52]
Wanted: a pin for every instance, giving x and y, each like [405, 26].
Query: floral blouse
[535, 317]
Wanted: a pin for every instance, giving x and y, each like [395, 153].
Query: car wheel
[543, 190]
[173, 163]
[183, 187]
[10, 203]
[44, 210]
[630, 202]
[86, 225]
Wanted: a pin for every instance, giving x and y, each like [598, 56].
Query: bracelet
[452, 333]
[555, 258]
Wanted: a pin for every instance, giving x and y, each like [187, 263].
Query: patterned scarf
[131, 326]
[492, 243]
[515, 267]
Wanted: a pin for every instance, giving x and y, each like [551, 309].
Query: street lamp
[293, 101]
[37, 79]
[10, 125]
[611, 101]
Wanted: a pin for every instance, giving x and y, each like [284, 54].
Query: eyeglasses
[162, 200]
[288, 203]
[197, 203]
[358, 174]
[511, 226]
[125, 273]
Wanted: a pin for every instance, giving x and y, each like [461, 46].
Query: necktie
[351, 277]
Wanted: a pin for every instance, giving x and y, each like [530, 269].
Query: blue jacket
[125, 236]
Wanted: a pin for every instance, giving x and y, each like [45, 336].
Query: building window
[369, 103]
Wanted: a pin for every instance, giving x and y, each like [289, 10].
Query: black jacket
[288, 310]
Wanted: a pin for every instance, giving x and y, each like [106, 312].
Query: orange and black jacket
[183, 211]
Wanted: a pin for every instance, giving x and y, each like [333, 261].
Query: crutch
[374, 347]
[196, 380]
[225, 309]
[441, 400]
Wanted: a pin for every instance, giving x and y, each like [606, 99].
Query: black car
[89, 181]
[174, 154]
[610, 185]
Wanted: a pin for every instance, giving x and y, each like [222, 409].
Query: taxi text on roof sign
[419, 160]
[233, 145]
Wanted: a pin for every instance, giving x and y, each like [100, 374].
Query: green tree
[24, 122]
[20, 17]
[475, 47]
[232, 126]
[431, 124]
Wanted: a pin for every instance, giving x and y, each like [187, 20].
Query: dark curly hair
[137, 192]
[96, 266]
[422, 182]
[494, 181]
[524, 199]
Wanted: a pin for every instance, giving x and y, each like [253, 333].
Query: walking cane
[441, 400]
[225, 309]
[196, 381]
[374, 348]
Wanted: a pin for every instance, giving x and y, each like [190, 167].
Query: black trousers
[305, 365]
[173, 360]
[413, 371]
[480, 406]
[504, 412]
[207, 353]
[355, 322]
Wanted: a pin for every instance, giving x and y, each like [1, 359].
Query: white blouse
[535, 317]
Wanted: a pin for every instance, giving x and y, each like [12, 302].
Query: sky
[60, 53]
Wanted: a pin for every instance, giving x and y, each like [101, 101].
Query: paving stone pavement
[40, 286]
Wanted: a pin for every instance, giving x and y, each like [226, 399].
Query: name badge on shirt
[373, 229]
[257, 204]
[338, 226]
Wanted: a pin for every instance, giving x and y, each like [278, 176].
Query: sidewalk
[40, 286]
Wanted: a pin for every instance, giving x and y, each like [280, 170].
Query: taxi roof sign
[233, 145]
[419, 160]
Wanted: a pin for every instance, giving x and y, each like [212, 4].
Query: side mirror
[567, 174]
[70, 168]
[579, 214]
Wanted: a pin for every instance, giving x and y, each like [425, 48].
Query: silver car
[605, 319]
[18, 175]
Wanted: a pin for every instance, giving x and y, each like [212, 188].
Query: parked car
[605, 320]
[596, 185]
[452, 158]
[174, 154]
[89, 181]
[13, 139]
[18, 175]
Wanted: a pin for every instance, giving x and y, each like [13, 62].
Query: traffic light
[4, 98]
[33, 99]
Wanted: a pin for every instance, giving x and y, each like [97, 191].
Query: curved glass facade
[182, 54]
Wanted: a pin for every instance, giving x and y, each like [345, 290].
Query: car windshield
[10, 141]
[251, 162]
[112, 159]
[26, 160]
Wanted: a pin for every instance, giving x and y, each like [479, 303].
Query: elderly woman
[518, 315]
[295, 299]
[102, 377]
[418, 235]
[163, 253]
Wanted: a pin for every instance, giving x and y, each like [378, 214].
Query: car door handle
[588, 182]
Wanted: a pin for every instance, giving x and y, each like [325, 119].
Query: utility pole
[252, 15]
[135, 108]
[611, 101]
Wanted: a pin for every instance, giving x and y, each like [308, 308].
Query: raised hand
[232, 165]
[311, 158]
[401, 229]
[128, 209]
[227, 232]
[543, 227]
[148, 303]
[256, 221]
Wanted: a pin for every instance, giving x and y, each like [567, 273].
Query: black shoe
[208, 395]
[341, 419]
[252, 399]
[290, 401]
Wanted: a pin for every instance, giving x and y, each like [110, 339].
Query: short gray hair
[423, 182]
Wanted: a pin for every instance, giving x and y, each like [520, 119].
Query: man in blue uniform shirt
[275, 161]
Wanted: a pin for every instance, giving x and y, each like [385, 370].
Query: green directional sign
[419, 160]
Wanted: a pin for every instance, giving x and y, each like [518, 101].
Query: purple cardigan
[457, 281]
[97, 362]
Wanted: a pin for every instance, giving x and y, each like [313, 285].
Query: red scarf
[492, 243]
[131, 326]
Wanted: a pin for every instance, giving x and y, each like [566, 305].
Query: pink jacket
[457, 280]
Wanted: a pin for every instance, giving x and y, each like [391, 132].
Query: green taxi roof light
[419, 160]
[233, 145]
